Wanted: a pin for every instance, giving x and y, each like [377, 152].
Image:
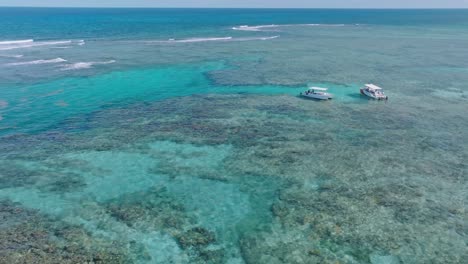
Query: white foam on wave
[326, 25]
[17, 56]
[257, 38]
[255, 28]
[30, 43]
[222, 39]
[15, 42]
[190, 40]
[85, 65]
[36, 62]
[274, 27]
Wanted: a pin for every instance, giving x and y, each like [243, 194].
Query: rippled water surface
[177, 136]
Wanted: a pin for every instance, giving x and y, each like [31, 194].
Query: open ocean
[177, 136]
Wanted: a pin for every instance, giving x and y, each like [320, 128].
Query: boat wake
[85, 65]
[36, 62]
[31, 43]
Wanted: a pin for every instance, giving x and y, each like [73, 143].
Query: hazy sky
[244, 3]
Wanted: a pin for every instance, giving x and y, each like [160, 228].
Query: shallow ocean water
[177, 136]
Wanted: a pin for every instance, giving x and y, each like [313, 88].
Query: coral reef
[196, 237]
[29, 237]
[152, 209]
[315, 183]
[156, 210]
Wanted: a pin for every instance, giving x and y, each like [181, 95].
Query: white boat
[374, 91]
[317, 93]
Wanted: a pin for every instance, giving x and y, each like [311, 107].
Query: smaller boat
[374, 91]
[317, 93]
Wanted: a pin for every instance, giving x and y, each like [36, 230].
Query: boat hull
[364, 92]
[317, 96]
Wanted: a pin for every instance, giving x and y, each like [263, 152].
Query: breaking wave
[190, 40]
[255, 28]
[330, 25]
[17, 56]
[15, 42]
[195, 40]
[35, 62]
[274, 27]
[85, 65]
[257, 38]
[30, 43]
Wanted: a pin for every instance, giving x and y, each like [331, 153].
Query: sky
[244, 3]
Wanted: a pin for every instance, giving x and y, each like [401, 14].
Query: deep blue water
[53, 23]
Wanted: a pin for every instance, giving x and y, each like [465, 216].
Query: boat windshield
[320, 91]
[375, 91]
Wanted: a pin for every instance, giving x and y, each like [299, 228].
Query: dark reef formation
[29, 237]
[371, 183]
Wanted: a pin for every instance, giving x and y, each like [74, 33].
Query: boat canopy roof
[318, 88]
[373, 87]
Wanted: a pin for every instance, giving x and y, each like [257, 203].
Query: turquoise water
[177, 136]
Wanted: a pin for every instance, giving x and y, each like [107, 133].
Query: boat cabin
[373, 91]
[316, 90]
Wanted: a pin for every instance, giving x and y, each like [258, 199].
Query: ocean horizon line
[242, 8]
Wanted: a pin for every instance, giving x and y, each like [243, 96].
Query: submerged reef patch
[254, 179]
[30, 237]
[151, 210]
[155, 210]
